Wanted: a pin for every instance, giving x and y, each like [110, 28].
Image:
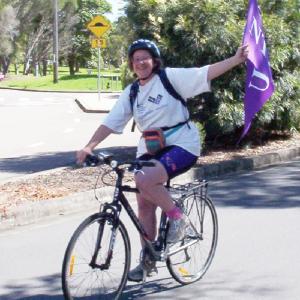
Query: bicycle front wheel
[191, 263]
[97, 260]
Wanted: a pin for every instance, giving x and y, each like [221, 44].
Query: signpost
[98, 26]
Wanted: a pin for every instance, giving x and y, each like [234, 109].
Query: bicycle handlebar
[93, 160]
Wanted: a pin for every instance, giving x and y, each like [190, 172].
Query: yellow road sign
[98, 43]
[99, 25]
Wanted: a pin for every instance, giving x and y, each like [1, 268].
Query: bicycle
[97, 259]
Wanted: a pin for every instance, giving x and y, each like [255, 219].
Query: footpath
[76, 200]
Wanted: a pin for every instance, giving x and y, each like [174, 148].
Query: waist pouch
[155, 138]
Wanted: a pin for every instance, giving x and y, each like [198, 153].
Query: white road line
[48, 99]
[68, 130]
[24, 101]
[71, 109]
[36, 145]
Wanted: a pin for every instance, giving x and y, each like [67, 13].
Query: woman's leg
[147, 216]
[150, 182]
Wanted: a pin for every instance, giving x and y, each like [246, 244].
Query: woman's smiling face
[143, 64]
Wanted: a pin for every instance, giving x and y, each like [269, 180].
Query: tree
[34, 41]
[117, 43]
[199, 32]
[79, 51]
[8, 31]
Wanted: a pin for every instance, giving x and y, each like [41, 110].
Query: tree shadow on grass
[85, 76]
[77, 77]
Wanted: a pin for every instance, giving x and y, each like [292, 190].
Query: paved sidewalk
[96, 104]
[35, 211]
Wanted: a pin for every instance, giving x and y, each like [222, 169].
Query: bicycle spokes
[97, 260]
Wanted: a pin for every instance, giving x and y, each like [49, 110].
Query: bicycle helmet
[143, 44]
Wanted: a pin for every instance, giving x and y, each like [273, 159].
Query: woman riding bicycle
[155, 108]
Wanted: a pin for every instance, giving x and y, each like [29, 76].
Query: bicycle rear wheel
[97, 260]
[190, 264]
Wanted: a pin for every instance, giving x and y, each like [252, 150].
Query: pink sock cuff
[175, 213]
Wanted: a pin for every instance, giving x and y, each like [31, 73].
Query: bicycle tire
[189, 265]
[79, 279]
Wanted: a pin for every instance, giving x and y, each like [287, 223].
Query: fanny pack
[155, 138]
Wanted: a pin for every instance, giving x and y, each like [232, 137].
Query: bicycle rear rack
[196, 187]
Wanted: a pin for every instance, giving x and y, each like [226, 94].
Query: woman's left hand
[242, 54]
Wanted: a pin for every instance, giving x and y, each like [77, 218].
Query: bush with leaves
[197, 32]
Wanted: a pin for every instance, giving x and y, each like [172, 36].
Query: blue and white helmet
[143, 44]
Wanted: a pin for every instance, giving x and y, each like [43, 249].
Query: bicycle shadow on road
[150, 288]
[52, 283]
[164, 287]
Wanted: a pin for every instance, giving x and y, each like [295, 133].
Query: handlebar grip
[91, 160]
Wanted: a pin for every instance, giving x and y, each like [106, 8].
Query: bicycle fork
[106, 264]
[93, 263]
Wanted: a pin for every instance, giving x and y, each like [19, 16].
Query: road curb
[33, 212]
[245, 164]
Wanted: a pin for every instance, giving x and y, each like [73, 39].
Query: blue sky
[116, 5]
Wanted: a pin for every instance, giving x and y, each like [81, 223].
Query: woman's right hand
[100, 134]
[82, 154]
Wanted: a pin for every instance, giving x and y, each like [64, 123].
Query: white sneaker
[137, 273]
[177, 229]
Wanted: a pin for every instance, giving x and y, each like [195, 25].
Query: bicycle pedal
[144, 276]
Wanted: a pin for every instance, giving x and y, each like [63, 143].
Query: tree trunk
[35, 65]
[5, 61]
[26, 67]
[77, 65]
[17, 69]
[45, 64]
[71, 62]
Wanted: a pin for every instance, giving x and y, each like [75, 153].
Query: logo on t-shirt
[155, 100]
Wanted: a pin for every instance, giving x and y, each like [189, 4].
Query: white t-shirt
[154, 107]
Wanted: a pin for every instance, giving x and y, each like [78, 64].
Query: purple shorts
[175, 159]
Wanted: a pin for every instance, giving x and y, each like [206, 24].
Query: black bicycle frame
[115, 207]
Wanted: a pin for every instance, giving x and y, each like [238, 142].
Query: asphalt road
[257, 255]
[41, 131]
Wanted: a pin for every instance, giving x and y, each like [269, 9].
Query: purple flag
[259, 81]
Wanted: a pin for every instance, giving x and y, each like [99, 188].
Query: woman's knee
[142, 181]
[150, 177]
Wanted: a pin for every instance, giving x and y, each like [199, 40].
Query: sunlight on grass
[78, 82]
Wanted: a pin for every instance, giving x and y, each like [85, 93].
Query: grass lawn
[79, 82]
